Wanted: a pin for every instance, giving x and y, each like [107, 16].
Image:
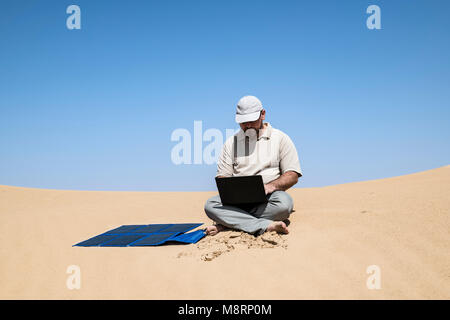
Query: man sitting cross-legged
[257, 149]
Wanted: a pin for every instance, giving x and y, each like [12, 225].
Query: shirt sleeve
[225, 162]
[288, 156]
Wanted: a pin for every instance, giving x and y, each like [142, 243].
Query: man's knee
[284, 204]
[210, 206]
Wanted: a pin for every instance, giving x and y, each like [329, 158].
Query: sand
[399, 224]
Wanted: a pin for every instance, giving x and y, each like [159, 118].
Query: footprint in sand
[209, 248]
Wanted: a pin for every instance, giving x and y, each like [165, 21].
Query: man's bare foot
[278, 226]
[214, 229]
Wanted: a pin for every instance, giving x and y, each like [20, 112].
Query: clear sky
[94, 109]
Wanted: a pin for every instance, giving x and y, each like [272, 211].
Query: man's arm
[284, 182]
[225, 162]
[289, 164]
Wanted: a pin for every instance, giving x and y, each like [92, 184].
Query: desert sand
[399, 224]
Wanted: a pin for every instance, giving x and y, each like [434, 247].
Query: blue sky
[94, 109]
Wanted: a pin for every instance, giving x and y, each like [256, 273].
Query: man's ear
[263, 114]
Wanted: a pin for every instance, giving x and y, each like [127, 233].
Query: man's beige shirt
[270, 155]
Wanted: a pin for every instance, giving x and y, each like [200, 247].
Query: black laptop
[244, 190]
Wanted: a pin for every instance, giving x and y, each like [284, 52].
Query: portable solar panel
[184, 227]
[95, 241]
[151, 228]
[191, 237]
[124, 229]
[154, 239]
[145, 235]
[122, 240]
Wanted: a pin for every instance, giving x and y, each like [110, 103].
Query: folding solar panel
[95, 241]
[182, 227]
[191, 237]
[122, 240]
[124, 229]
[154, 239]
[145, 235]
[151, 228]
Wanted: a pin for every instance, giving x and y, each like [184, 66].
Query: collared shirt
[269, 155]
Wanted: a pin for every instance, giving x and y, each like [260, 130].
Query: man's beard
[256, 129]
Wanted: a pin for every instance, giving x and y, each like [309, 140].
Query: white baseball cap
[248, 109]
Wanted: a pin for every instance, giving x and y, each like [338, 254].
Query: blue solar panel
[152, 228]
[95, 241]
[124, 229]
[154, 239]
[191, 237]
[145, 235]
[182, 227]
[123, 240]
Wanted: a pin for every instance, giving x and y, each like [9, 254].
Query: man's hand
[269, 188]
[284, 182]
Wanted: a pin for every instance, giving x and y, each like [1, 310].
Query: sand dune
[400, 224]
